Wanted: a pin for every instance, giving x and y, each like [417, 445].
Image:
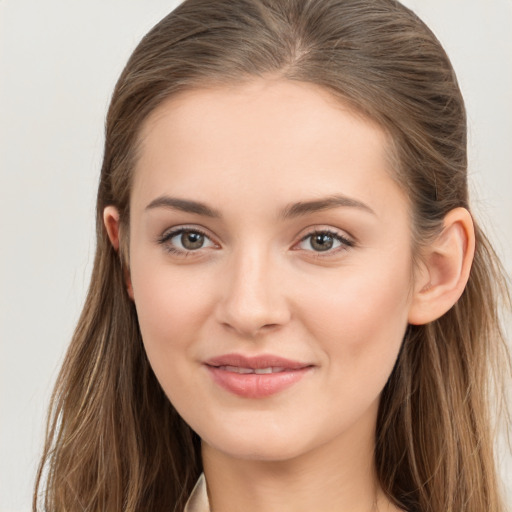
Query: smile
[259, 371]
[255, 377]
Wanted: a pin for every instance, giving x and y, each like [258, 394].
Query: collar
[198, 500]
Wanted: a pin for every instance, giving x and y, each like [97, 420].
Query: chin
[261, 446]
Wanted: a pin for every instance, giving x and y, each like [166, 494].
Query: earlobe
[446, 265]
[111, 221]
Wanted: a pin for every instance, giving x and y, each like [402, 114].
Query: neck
[338, 476]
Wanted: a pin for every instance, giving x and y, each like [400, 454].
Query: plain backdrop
[59, 60]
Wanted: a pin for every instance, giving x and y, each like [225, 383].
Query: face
[270, 265]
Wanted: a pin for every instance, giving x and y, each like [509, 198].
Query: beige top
[198, 501]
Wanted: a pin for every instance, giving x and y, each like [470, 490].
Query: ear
[111, 221]
[445, 268]
[112, 225]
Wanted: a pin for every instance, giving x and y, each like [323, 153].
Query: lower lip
[253, 385]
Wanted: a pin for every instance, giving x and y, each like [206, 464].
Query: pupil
[192, 240]
[322, 242]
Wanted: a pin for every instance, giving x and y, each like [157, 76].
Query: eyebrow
[326, 203]
[184, 205]
[290, 211]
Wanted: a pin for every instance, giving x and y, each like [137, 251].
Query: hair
[114, 441]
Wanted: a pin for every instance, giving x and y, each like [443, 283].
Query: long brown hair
[114, 441]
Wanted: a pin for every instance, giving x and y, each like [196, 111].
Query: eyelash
[169, 235]
[345, 243]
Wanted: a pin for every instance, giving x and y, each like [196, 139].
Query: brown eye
[184, 240]
[322, 242]
[192, 240]
[325, 241]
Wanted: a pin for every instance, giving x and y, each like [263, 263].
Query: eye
[184, 240]
[324, 241]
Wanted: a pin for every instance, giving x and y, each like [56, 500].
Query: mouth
[258, 371]
[267, 362]
[257, 376]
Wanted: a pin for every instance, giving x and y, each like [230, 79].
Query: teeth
[258, 371]
[263, 370]
[237, 369]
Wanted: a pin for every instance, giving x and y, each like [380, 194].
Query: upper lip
[256, 362]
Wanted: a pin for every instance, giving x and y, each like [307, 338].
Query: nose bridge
[253, 298]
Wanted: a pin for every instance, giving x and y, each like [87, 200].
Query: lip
[239, 374]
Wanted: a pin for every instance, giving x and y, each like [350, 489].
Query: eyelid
[346, 240]
[170, 233]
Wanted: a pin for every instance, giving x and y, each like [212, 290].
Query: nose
[253, 300]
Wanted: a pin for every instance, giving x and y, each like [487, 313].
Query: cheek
[171, 307]
[361, 320]
[171, 313]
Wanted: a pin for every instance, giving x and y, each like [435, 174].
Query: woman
[289, 292]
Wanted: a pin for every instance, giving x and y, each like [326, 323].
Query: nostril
[250, 330]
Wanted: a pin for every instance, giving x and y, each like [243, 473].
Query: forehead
[266, 137]
[255, 104]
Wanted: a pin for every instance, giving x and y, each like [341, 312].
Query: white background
[59, 60]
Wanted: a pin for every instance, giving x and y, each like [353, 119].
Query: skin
[258, 286]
